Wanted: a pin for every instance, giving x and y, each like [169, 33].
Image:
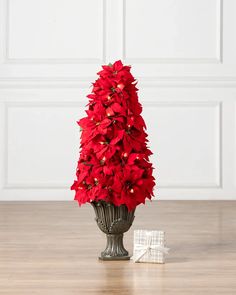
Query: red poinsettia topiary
[114, 159]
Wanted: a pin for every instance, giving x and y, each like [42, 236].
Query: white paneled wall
[183, 53]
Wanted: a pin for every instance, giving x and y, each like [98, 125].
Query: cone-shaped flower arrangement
[114, 159]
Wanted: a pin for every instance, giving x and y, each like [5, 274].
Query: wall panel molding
[78, 82]
[8, 60]
[85, 82]
[152, 60]
[25, 104]
[217, 184]
[154, 104]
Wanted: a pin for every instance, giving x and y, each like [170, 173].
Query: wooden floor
[52, 248]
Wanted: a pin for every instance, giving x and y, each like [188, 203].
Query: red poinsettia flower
[114, 159]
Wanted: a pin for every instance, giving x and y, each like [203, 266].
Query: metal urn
[114, 221]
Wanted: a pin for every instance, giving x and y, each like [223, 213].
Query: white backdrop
[183, 53]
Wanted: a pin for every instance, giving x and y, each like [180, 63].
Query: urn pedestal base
[112, 258]
[115, 249]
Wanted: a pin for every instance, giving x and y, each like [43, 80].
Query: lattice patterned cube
[149, 246]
